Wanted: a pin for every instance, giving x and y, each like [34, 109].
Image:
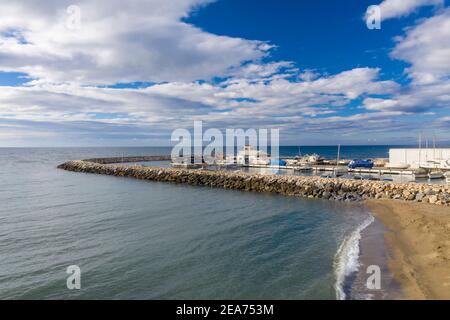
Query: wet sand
[373, 253]
[418, 246]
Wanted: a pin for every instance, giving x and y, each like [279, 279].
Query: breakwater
[310, 187]
[128, 159]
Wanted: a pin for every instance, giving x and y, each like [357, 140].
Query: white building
[430, 158]
[252, 156]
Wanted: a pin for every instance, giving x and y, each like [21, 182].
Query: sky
[116, 73]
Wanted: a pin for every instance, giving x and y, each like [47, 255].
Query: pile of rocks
[310, 187]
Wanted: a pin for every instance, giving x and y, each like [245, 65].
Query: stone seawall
[128, 159]
[310, 187]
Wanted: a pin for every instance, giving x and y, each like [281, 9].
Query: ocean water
[146, 240]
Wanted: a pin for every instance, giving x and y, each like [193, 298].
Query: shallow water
[146, 240]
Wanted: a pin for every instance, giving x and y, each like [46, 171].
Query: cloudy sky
[122, 73]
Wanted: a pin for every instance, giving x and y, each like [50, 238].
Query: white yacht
[250, 156]
[397, 165]
[436, 175]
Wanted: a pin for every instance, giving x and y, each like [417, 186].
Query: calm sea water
[146, 240]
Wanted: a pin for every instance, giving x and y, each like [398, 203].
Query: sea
[133, 239]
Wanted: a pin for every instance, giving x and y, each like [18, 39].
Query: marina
[403, 165]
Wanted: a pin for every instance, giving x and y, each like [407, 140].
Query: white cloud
[400, 8]
[163, 107]
[308, 75]
[427, 47]
[121, 42]
[258, 71]
[118, 41]
[414, 99]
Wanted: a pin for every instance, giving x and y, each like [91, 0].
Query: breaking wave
[346, 261]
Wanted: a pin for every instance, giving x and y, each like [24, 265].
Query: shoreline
[417, 238]
[373, 251]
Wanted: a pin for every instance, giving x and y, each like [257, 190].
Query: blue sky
[323, 35]
[129, 74]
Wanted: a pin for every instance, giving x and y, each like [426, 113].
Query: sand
[418, 246]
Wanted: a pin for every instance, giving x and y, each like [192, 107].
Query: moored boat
[303, 168]
[447, 177]
[309, 159]
[436, 175]
[397, 166]
[420, 174]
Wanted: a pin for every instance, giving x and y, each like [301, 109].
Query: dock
[329, 168]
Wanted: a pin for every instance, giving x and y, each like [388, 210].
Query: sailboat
[339, 171]
[435, 174]
[301, 163]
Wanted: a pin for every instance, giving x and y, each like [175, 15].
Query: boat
[250, 156]
[339, 171]
[436, 164]
[261, 162]
[436, 175]
[358, 163]
[309, 159]
[447, 177]
[420, 174]
[397, 165]
[304, 168]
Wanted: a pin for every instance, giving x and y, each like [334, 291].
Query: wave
[346, 261]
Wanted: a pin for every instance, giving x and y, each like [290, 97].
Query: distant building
[429, 158]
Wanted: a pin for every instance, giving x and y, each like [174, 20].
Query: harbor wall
[128, 159]
[310, 186]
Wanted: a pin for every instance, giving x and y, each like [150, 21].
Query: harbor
[429, 165]
[312, 187]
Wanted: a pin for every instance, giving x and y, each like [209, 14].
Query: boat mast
[338, 155]
[420, 149]
[434, 151]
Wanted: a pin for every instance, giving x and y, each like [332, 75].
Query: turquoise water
[146, 240]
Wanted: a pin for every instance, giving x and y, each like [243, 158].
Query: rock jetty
[310, 187]
[128, 159]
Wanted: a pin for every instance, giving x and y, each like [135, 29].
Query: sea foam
[346, 261]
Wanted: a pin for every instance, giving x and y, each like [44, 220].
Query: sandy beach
[418, 244]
